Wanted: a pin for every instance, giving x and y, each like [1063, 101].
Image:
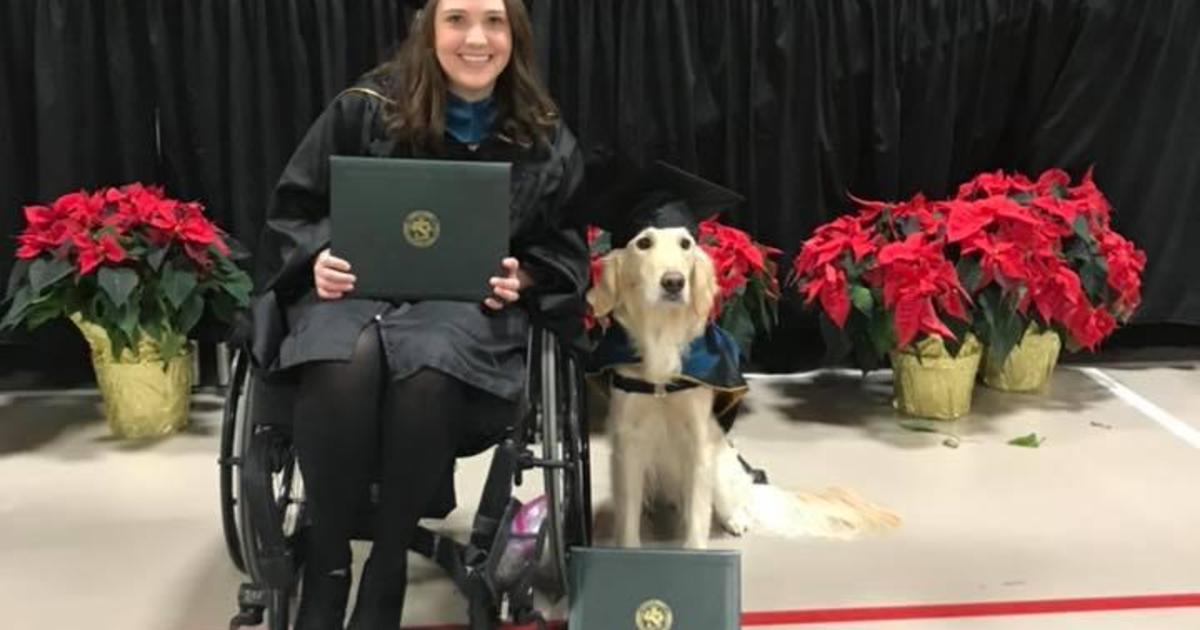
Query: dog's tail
[832, 513]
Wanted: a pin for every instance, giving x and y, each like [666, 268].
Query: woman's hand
[332, 276]
[507, 289]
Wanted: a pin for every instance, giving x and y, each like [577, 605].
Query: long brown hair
[416, 85]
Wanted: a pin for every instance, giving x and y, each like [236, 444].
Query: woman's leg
[336, 433]
[423, 417]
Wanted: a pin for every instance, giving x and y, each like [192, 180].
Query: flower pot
[142, 396]
[929, 383]
[1028, 367]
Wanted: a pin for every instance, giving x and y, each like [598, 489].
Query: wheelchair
[265, 521]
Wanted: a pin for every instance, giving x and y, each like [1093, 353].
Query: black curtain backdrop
[793, 102]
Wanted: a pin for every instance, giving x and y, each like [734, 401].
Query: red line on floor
[969, 609]
[933, 611]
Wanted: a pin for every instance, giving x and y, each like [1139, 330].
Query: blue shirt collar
[469, 123]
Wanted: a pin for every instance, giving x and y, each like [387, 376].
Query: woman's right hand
[332, 276]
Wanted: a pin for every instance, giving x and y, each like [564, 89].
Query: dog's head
[661, 272]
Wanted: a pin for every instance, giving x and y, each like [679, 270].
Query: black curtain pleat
[795, 103]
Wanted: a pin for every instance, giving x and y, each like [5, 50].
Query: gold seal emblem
[653, 614]
[421, 228]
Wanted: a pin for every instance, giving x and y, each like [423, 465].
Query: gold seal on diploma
[653, 614]
[421, 228]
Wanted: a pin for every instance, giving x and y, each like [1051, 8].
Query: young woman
[413, 385]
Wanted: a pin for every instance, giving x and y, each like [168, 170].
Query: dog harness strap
[638, 386]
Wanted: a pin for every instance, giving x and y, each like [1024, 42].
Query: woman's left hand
[507, 288]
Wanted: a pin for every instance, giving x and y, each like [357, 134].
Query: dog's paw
[738, 523]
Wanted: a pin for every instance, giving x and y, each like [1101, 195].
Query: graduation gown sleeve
[553, 249]
[297, 222]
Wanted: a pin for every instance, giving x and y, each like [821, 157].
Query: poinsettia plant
[747, 279]
[1043, 254]
[883, 280]
[129, 259]
[1005, 254]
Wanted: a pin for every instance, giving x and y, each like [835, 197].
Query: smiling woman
[468, 50]
[474, 43]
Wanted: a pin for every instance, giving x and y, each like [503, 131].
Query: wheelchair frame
[262, 495]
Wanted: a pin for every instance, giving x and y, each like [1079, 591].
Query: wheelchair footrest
[252, 600]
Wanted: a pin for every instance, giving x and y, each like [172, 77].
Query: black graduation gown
[482, 348]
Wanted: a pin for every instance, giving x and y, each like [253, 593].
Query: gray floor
[96, 533]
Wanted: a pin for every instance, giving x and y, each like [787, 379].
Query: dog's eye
[645, 242]
[685, 243]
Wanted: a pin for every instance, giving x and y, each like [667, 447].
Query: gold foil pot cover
[929, 383]
[141, 398]
[1029, 365]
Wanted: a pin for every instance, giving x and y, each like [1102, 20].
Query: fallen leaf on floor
[1102, 425]
[1028, 441]
[919, 427]
[951, 442]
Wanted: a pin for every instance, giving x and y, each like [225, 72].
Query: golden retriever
[661, 288]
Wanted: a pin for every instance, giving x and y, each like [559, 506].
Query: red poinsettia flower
[735, 256]
[185, 222]
[1125, 265]
[91, 253]
[831, 288]
[917, 278]
[828, 243]
[996, 183]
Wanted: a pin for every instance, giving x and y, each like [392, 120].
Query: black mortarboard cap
[662, 196]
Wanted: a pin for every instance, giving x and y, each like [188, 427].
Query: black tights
[349, 415]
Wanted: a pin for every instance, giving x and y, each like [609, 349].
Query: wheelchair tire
[230, 460]
[270, 507]
[563, 439]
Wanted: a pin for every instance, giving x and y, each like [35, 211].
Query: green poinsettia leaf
[154, 328]
[960, 329]
[118, 283]
[223, 307]
[189, 313]
[1006, 335]
[177, 285]
[41, 312]
[128, 322]
[171, 345]
[969, 273]
[239, 288]
[17, 278]
[882, 333]
[119, 342]
[1093, 275]
[156, 258]
[918, 427]
[603, 242]
[735, 319]
[20, 305]
[1028, 441]
[1081, 229]
[43, 273]
[862, 299]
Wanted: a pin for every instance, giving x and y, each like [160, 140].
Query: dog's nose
[672, 282]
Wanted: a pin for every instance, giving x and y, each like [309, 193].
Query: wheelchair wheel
[273, 512]
[564, 440]
[230, 460]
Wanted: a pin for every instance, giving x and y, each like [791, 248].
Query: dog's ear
[704, 287]
[604, 295]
